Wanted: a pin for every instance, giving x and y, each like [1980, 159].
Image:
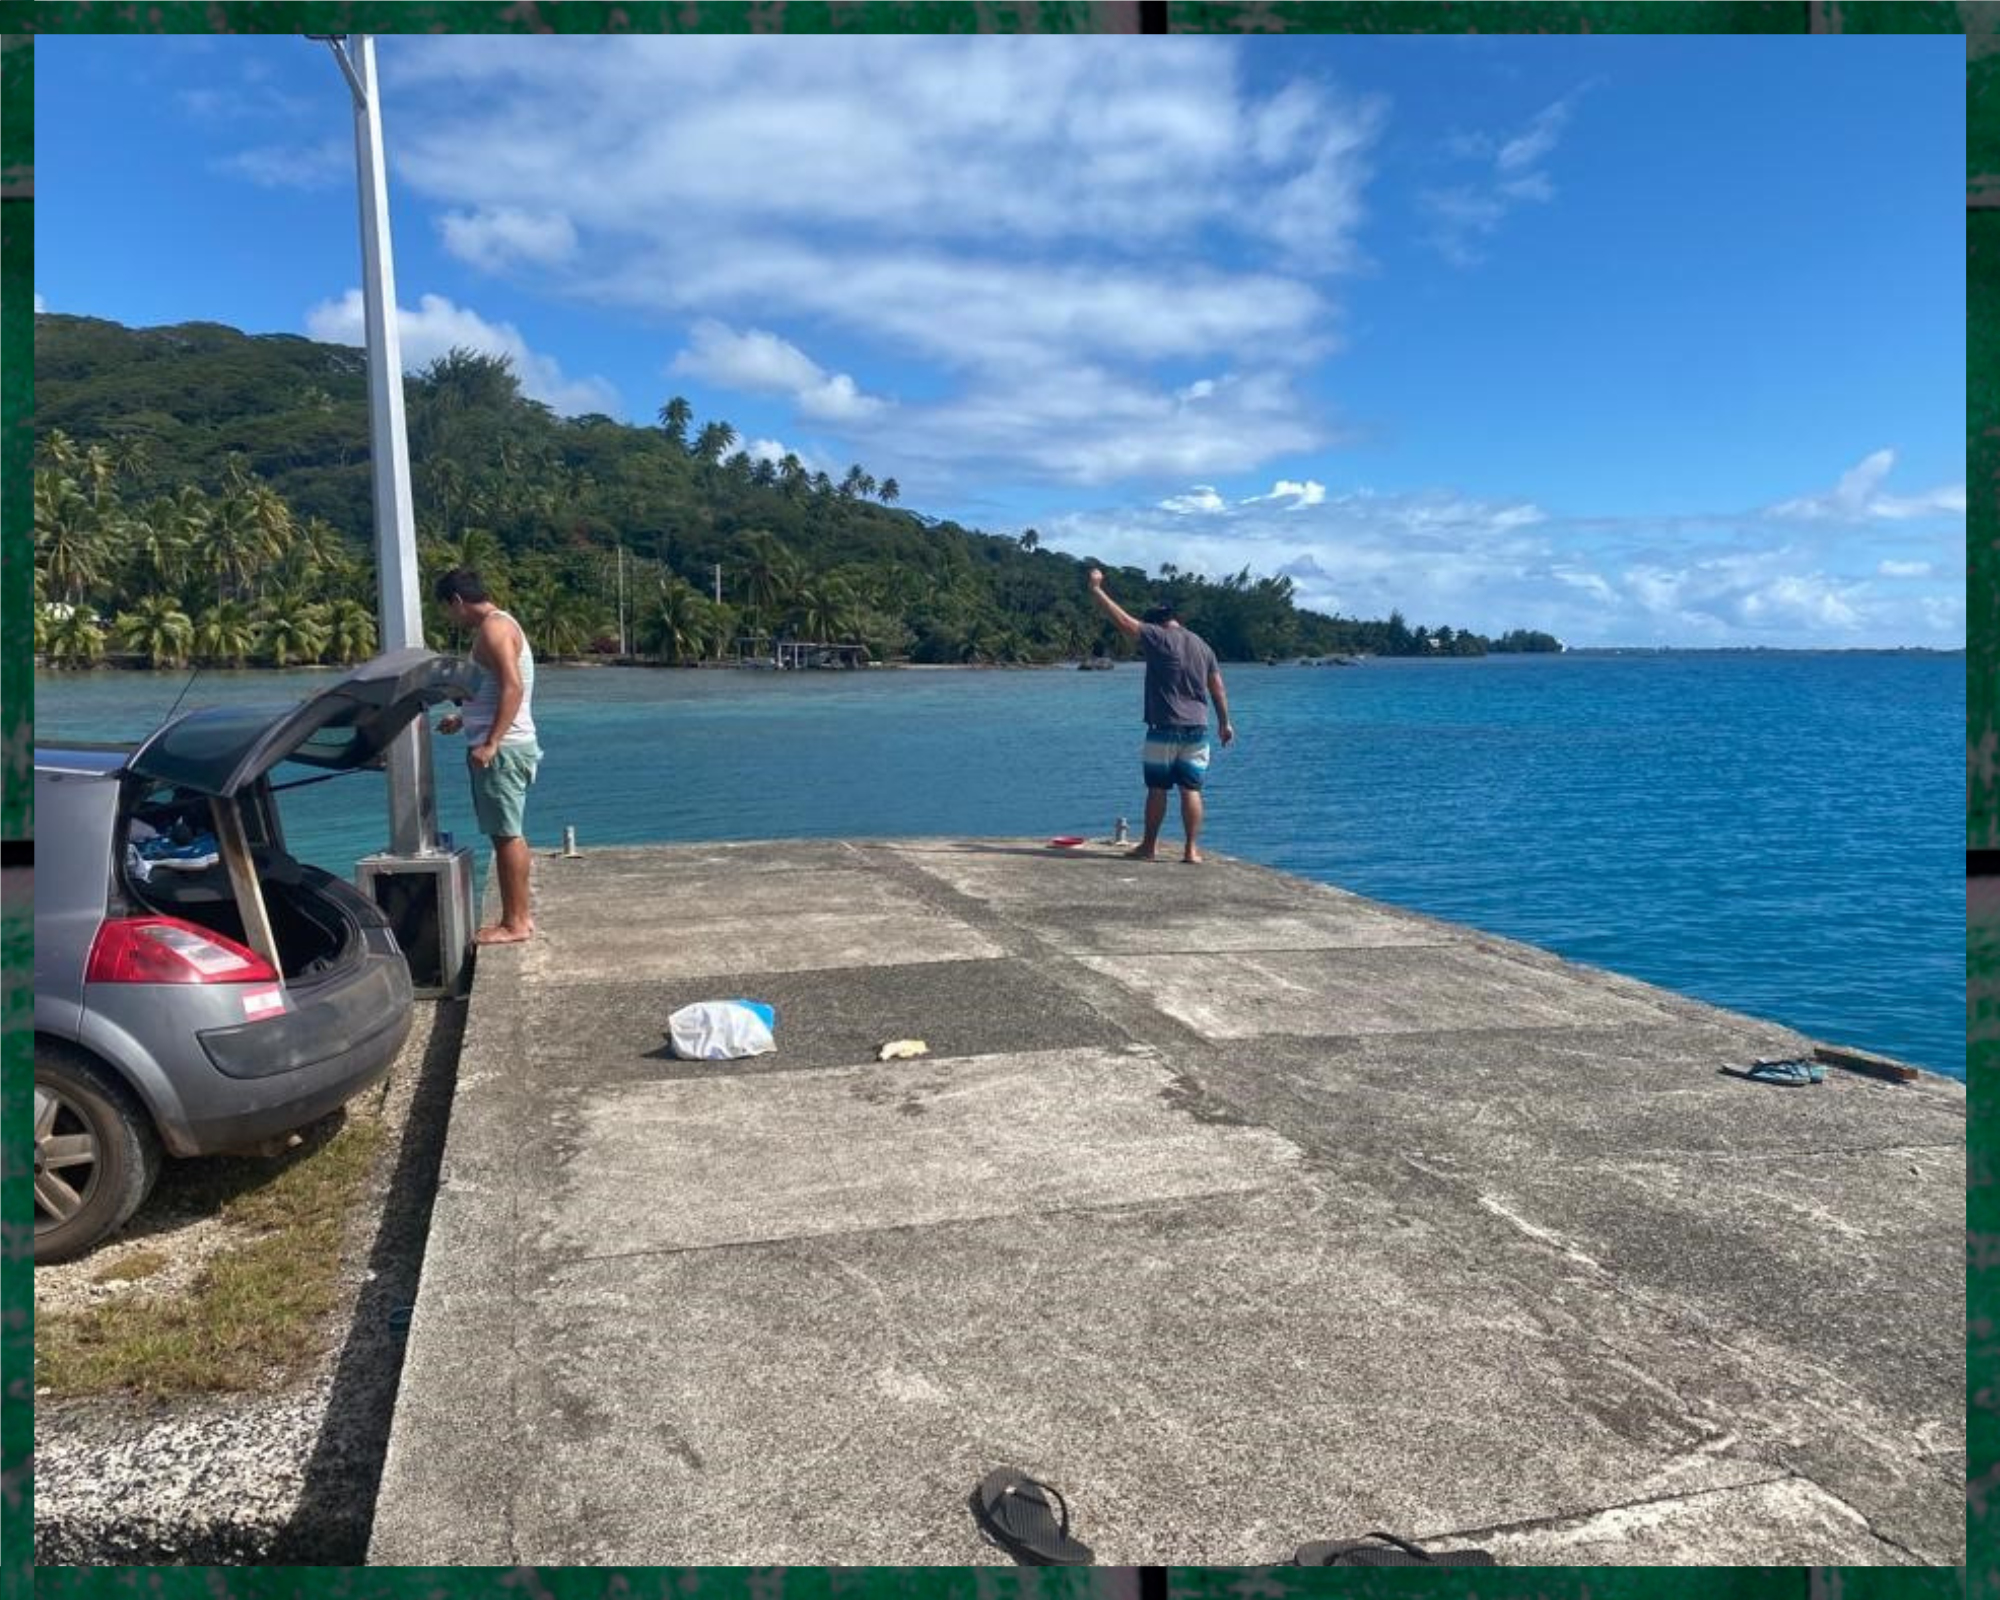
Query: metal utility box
[428, 901]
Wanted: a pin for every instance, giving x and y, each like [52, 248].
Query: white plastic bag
[721, 1030]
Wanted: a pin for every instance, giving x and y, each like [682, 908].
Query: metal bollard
[569, 848]
[1119, 835]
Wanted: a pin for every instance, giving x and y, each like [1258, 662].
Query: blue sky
[1635, 340]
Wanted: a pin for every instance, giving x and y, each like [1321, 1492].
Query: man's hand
[482, 754]
[1227, 730]
[1096, 578]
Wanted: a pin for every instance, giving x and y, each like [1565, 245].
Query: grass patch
[139, 1264]
[253, 1315]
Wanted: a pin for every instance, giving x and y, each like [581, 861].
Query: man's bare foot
[1140, 853]
[500, 933]
[1193, 858]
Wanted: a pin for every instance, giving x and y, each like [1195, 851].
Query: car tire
[96, 1153]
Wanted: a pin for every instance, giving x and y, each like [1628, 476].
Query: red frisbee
[1065, 841]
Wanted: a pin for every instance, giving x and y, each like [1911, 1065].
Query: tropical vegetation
[204, 496]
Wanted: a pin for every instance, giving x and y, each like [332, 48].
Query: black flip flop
[1384, 1550]
[1013, 1510]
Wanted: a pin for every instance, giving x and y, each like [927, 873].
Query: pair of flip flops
[1785, 1074]
[1029, 1519]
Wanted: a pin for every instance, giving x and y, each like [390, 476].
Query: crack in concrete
[1573, 1518]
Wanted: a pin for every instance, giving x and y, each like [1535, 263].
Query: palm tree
[675, 416]
[71, 542]
[671, 625]
[294, 628]
[131, 455]
[58, 451]
[73, 638]
[157, 629]
[825, 607]
[100, 473]
[236, 543]
[713, 442]
[160, 552]
[1031, 541]
[226, 632]
[316, 551]
[560, 621]
[770, 575]
[890, 491]
[350, 631]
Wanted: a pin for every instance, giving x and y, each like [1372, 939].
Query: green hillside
[202, 494]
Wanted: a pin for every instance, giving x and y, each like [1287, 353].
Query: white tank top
[484, 705]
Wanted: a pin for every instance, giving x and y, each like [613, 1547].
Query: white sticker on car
[263, 1003]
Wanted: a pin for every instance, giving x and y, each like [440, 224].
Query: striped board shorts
[1175, 756]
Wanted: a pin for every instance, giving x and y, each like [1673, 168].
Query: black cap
[1163, 612]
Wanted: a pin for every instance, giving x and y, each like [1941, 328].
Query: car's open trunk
[315, 935]
[312, 915]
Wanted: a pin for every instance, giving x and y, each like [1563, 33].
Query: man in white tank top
[501, 750]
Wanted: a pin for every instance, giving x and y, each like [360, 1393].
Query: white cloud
[325, 165]
[1434, 556]
[1038, 139]
[1301, 495]
[1465, 213]
[1905, 569]
[1857, 497]
[1201, 498]
[1016, 214]
[1810, 599]
[495, 237]
[1521, 153]
[437, 326]
[1444, 558]
[41, 305]
[757, 362]
[1097, 425]
[775, 450]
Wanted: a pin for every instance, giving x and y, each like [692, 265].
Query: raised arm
[1121, 619]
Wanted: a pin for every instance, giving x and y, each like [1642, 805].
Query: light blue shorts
[1175, 757]
[500, 790]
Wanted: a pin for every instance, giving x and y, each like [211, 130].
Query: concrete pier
[1245, 1211]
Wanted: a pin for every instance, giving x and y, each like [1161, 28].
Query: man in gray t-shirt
[1181, 679]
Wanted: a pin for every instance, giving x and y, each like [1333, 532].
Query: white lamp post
[412, 799]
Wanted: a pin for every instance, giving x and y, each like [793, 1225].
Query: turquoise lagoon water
[1774, 833]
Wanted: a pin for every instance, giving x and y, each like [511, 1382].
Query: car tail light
[165, 950]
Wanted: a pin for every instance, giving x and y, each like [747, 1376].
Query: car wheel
[96, 1154]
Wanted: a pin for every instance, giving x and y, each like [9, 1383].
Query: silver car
[197, 988]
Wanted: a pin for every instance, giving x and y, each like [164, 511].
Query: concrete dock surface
[1244, 1210]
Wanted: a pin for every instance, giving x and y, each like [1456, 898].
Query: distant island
[203, 495]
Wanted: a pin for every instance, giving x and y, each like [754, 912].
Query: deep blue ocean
[1774, 833]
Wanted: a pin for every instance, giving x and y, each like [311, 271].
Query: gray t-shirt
[1177, 667]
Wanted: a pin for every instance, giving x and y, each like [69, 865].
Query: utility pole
[412, 795]
[621, 601]
[718, 583]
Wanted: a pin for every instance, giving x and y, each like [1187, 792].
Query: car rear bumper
[342, 1043]
[332, 1020]
[296, 1099]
